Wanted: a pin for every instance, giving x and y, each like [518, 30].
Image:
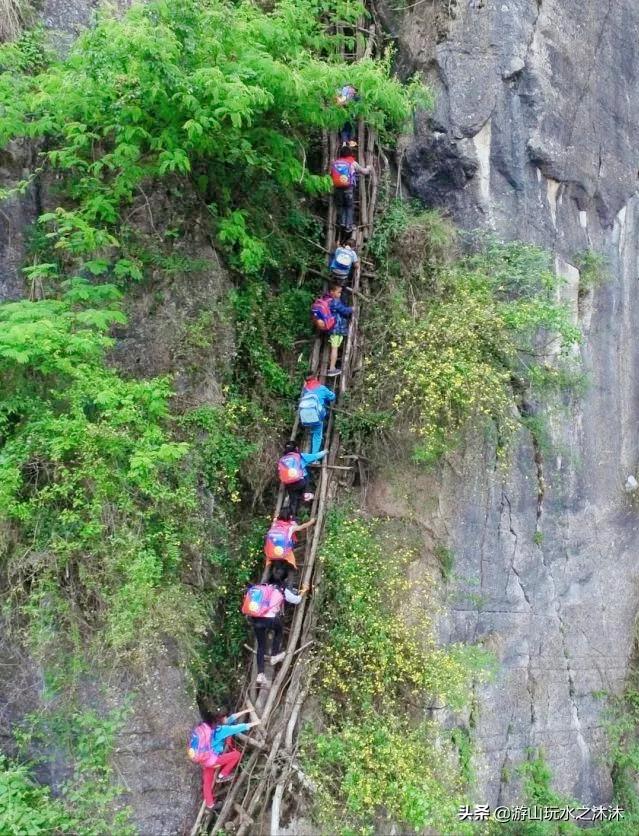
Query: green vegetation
[369, 759]
[26, 807]
[123, 514]
[536, 777]
[227, 98]
[624, 763]
[593, 271]
[216, 104]
[623, 758]
[92, 484]
[462, 740]
[85, 803]
[455, 340]
[446, 558]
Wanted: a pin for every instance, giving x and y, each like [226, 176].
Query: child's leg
[339, 205]
[335, 341]
[277, 637]
[316, 437]
[208, 773]
[295, 492]
[346, 134]
[348, 201]
[333, 356]
[228, 761]
[260, 636]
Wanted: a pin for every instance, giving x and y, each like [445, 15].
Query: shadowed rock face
[157, 780]
[17, 214]
[536, 135]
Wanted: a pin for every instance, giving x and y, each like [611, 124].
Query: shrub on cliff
[374, 755]
[455, 339]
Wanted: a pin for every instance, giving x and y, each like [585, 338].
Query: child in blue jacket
[225, 760]
[312, 409]
[342, 314]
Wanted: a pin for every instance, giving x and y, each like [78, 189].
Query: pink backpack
[321, 314]
[290, 468]
[200, 744]
[262, 601]
[280, 540]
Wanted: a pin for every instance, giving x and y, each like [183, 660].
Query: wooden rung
[268, 658]
[250, 741]
[251, 708]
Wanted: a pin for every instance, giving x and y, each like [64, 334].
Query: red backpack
[290, 469]
[342, 173]
[321, 315]
[279, 541]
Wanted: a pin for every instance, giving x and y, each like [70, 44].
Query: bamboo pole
[280, 707]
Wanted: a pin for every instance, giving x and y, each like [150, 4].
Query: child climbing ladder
[280, 708]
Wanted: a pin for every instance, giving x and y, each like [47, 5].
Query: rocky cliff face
[149, 758]
[63, 20]
[535, 135]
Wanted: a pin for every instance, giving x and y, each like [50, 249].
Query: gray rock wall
[158, 782]
[17, 214]
[536, 135]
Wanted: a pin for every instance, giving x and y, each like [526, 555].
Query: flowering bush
[370, 757]
[454, 340]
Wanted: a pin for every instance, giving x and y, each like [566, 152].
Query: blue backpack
[310, 409]
[342, 261]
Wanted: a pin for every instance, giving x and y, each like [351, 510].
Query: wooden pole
[265, 772]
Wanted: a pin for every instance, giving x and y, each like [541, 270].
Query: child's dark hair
[335, 286]
[211, 713]
[279, 572]
[285, 514]
[290, 447]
